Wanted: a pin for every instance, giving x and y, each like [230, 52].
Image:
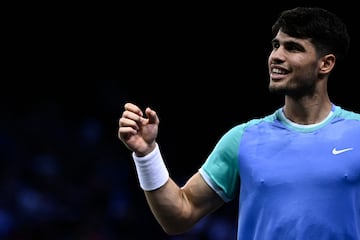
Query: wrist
[151, 170]
[145, 150]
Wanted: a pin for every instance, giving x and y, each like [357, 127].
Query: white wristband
[151, 170]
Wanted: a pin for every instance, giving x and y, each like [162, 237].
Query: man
[297, 170]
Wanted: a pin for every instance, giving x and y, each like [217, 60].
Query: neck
[307, 111]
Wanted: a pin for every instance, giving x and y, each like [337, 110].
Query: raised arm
[177, 209]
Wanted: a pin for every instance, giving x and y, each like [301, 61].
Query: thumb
[152, 116]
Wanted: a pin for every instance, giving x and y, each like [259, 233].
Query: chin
[273, 88]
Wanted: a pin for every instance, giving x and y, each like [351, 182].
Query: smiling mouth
[281, 71]
[278, 73]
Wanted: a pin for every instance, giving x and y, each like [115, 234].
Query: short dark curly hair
[323, 28]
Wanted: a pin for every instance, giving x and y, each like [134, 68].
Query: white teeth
[277, 70]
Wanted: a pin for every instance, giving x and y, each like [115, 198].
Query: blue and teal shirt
[296, 182]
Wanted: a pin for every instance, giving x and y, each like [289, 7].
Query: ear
[327, 63]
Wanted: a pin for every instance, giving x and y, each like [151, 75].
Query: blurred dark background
[69, 69]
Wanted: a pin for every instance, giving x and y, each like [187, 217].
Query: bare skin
[302, 78]
[295, 71]
[176, 208]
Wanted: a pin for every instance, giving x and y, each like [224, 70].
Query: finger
[129, 123]
[131, 115]
[133, 108]
[152, 116]
[127, 128]
[126, 132]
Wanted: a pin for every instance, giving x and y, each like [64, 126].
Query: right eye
[275, 45]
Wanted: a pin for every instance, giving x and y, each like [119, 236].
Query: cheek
[269, 60]
[270, 57]
[306, 68]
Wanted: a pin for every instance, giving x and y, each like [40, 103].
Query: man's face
[293, 65]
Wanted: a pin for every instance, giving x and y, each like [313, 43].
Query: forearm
[171, 208]
[179, 209]
[166, 199]
[176, 209]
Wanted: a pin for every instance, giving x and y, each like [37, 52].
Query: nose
[277, 55]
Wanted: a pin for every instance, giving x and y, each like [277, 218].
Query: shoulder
[346, 113]
[235, 133]
[267, 119]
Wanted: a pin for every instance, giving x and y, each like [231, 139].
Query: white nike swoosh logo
[335, 151]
